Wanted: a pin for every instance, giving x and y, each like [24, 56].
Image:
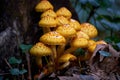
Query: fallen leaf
[68, 78]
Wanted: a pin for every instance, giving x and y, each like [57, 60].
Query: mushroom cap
[92, 47]
[75, 24]
[79, 43]
[81, 34]
[101, 42]
[91, 42]
[63, 11]
[43, 5]
[61, 20]
[47, 22]
[66, 57]
[49, 13]
[66, 30]
[89, 29]
[53, 38]
[40, 49]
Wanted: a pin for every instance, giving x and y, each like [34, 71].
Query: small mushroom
[61, 20]
[43, 5]
[65, 60]
[89, 29]
[49, 13]
[39, 50]
[91, 42]
[53, 38]
[77, 43]
[63, 11]
[67, 31]
[47, 22]
[81, 34]
[93, 45]
[75, 24]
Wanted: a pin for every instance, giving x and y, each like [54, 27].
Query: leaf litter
[103, 65]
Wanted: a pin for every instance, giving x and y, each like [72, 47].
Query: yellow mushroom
[89, 29]
[61, 20]
[39, 50]
[43, 5]
[47, 22]
[49, 13]
[81, 34]
[65, 60]
[63, 11]
[77, 43]
[53, 38]
[67, 31]
[93, 45]
[75, 24]
[91, 42]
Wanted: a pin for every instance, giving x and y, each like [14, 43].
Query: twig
[29, 68]
[23, 74]
[7, 63]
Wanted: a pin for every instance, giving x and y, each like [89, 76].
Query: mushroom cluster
[62, 36]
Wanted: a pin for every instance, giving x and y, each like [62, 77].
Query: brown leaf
[113, 51]
[101, 58]
[68, 78]
[99, 75]
[98, 47]
[84, 77]
[95, 57]
[107, 64]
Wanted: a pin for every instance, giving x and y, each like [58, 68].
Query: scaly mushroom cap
[66, 57]
[61, 20]
[91, 42]
[47, 22]
[40, 49]
[63, 11]
[53, 38]
[75, 24]
[92, 47]
[43, 5]
[66, 30]
[81, 34]
[49, 13]
[79, 43]
[89, 29]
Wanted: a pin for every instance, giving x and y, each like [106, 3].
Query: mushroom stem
[46, 29]
[39, 61]
[64, 65]
[61, 48]
[53, 47]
